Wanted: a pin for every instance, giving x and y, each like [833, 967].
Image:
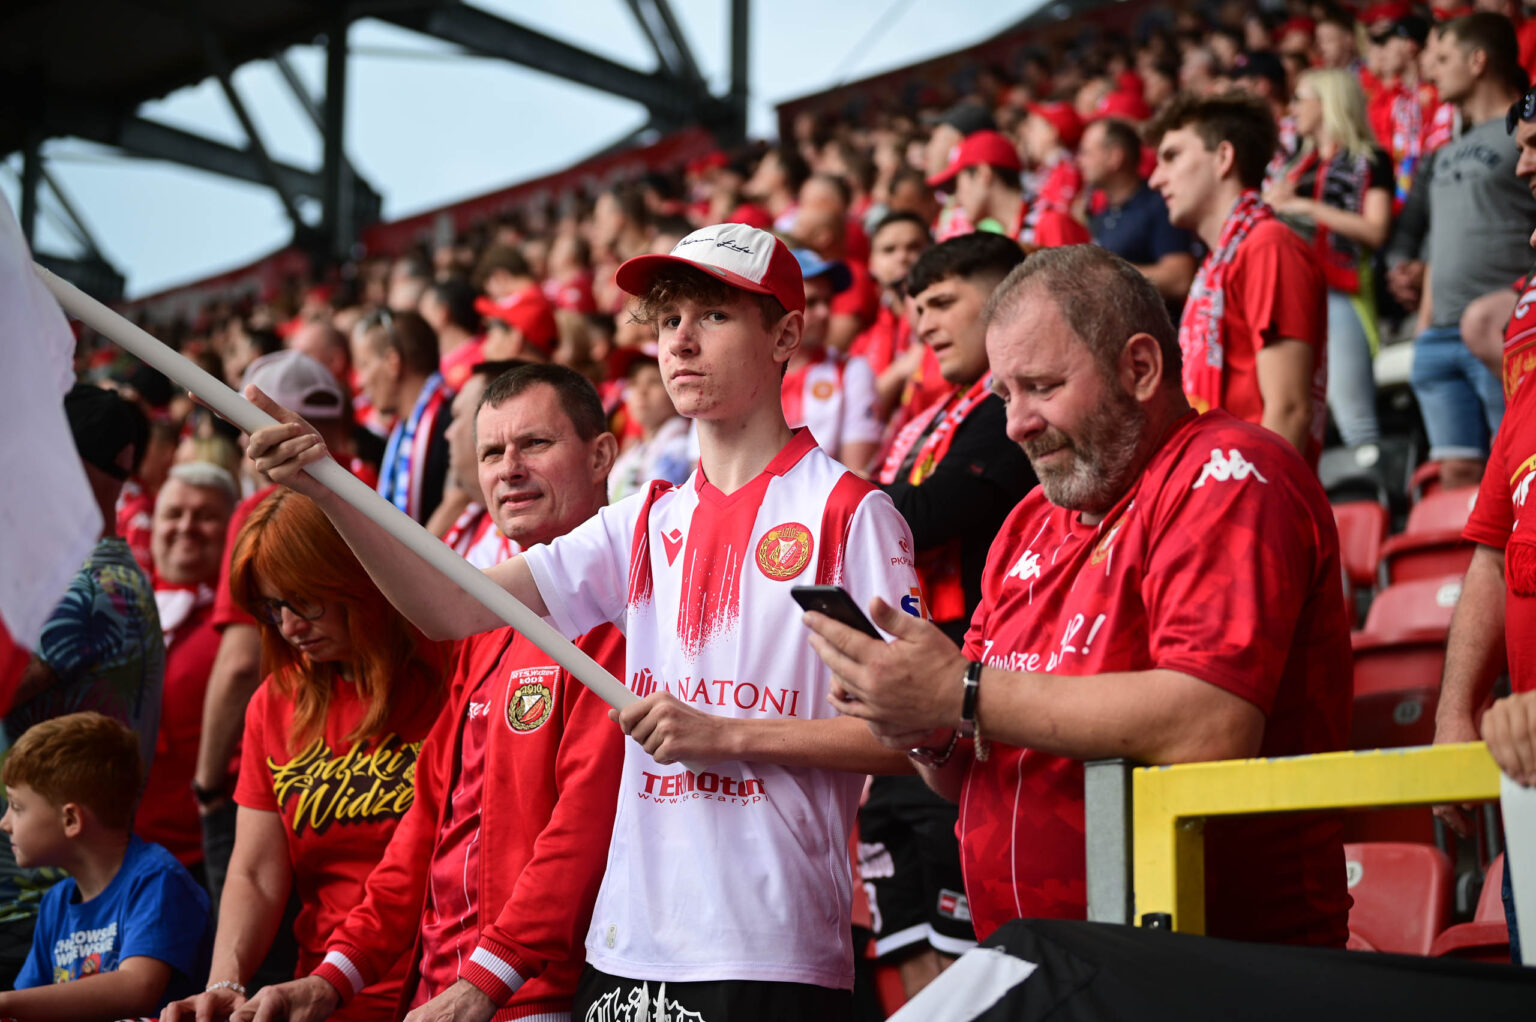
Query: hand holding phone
[835, 602]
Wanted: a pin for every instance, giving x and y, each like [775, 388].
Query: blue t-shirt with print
[152, 908]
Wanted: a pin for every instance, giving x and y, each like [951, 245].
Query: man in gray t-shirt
[1480, 218]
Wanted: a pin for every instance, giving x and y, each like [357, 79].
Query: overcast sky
[427, 126]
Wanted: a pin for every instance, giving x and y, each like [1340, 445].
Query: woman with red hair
[329, 758]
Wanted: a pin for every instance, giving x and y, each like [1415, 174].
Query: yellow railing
[1171, 804]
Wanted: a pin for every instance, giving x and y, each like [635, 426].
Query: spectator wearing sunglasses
[1495, 618]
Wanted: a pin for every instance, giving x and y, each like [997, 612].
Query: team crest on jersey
[530, 698]
[822, 390]
[1101, 550]
[1520, 492]
[784, 551]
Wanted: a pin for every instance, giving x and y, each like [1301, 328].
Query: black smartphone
[835, 602]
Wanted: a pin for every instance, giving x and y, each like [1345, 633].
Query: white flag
[48, 518]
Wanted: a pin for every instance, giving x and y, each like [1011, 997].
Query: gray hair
[1103, 298]
[208, 476]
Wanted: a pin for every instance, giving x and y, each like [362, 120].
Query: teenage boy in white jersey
[727, 892]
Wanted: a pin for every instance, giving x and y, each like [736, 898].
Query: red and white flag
[48, 518]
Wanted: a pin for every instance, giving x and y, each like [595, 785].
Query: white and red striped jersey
[475, 537]
[834, 397]
[739, 872]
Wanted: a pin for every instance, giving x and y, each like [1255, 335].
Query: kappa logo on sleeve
[1230, 466]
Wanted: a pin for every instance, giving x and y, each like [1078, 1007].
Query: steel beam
[31, 178]
[741, 34]
[336, 224]
[143, 137]
[687, 68]
[218, 63]
[484, 33]
[81, 232]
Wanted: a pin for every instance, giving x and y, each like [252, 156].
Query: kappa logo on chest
[1028, 567]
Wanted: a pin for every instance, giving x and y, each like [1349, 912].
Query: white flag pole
[232, 406]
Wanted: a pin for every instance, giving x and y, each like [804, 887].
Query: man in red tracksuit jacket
[488, 881]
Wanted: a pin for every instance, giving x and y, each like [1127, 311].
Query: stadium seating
[1398, 660]
[1402, 646]
[1363, 528]
[1402, 896]
[1424, 482]
[1431, 545]
[1486, 937]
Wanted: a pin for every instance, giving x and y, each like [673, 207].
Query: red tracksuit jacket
[547, 810]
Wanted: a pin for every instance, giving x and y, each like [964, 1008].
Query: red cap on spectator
[744, 257]
[1063, 118]
[1130, 81]
[529, 311]
[752, 215]
[1127, 106]
[990, 148]
[1387, 11]
[1297, 24]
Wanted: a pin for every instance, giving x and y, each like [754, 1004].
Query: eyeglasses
[271, 611]
[1523, 109]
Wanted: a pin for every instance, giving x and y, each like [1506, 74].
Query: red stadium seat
[1402, 647]
[1432, 544]
[1362, 530]
[1424, 482]
[1402, 896]
[1399, 656]
[1486, 937]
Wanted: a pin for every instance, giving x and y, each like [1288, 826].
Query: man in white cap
[727, 892]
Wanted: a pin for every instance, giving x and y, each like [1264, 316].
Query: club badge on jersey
[784, 551]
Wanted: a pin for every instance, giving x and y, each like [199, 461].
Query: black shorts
[909, 860]
[601, 997]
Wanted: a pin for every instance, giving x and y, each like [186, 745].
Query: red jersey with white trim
[1520, 335]
[1221, 562]
[833, 396]
[739, 872]
[475, 537]
[1504, 518]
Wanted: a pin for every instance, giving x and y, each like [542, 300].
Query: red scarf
[915, 453]
[1340, 263]
[936, 437]
[1200, 329]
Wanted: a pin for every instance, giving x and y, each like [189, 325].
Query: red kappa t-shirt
[1504, 519]
[1221, 562]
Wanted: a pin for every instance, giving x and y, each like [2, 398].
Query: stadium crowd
[1040, 373]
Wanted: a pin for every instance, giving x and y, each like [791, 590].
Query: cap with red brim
[742, 256]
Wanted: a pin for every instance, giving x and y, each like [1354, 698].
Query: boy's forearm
[836, 743]
[127, 992]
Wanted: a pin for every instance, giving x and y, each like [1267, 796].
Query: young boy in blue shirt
[129, 930]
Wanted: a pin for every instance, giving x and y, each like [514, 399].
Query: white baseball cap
[742, 256]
